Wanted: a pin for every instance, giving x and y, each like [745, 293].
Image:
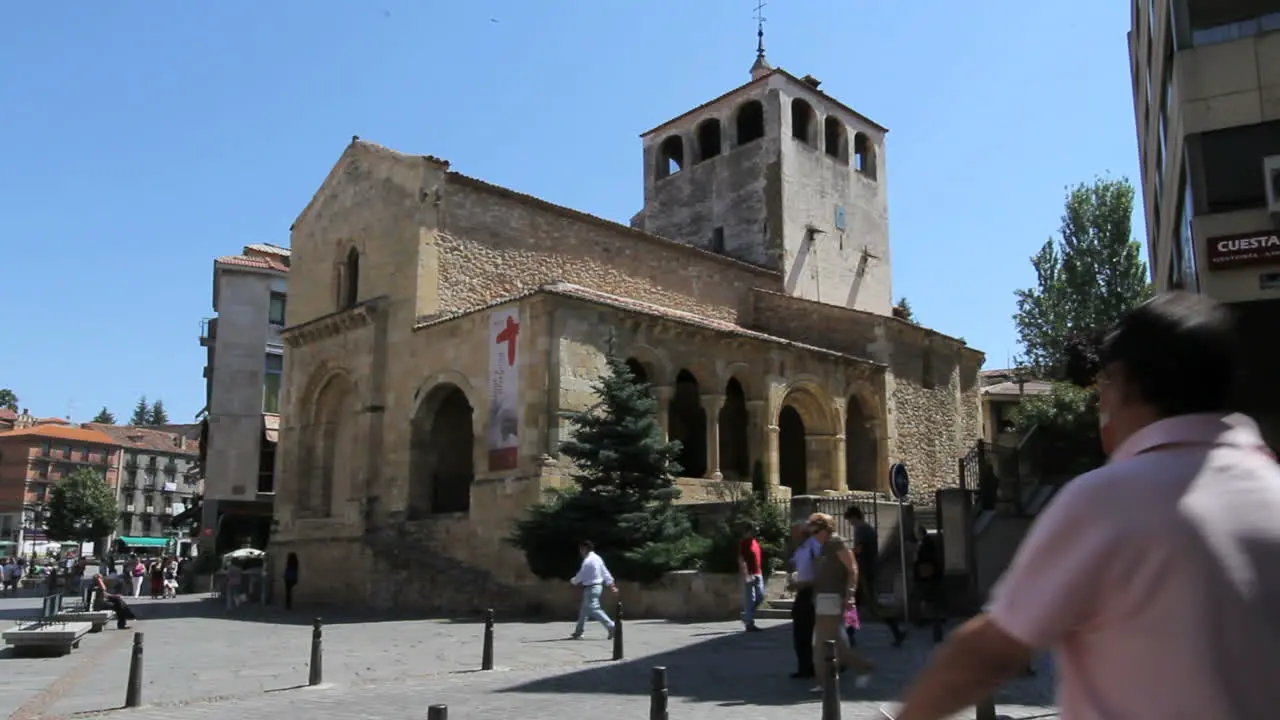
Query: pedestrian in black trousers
[804, 554]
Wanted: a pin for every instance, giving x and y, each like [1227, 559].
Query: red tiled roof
[258, 263]
[143, 438]
[51, 421]
[7, 414]
[61, 432]
[577, 292]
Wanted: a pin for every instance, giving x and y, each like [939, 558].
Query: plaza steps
[777, 608]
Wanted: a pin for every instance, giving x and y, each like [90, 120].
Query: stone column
[758, 439]
[711, 405]
[841, 474]
[663, 395]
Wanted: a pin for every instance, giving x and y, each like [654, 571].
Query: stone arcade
[440, 326]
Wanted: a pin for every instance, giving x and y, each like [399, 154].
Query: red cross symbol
[508, 335]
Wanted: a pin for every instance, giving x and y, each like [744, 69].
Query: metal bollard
[133, 688]
[986, 709]
[617, 632]
[438, 712]
[486, 657]
[830, 682]
[317, 663]
[658, 694]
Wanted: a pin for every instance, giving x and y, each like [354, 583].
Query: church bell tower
[779, 174]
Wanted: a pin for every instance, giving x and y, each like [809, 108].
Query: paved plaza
[202, 663]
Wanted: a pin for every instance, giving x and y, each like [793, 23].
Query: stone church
[440, 327]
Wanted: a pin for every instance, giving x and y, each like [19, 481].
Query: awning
[271, 427]
[144, 542]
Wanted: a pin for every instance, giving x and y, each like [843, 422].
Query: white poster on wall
[504, 390]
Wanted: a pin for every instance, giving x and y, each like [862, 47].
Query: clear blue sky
[144, 138]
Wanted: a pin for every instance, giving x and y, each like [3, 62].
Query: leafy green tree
[1085, 281]
[8, 399]
[764, 518]
[141, 413]
[81, 507]
[1067, 422]
[623, 494]
[105, 417]
[903, 311]
[157, 416]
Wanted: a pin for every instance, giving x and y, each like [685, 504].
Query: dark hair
[1178, 352]
[853, 513]
[587, 545]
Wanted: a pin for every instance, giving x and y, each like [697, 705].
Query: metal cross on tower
[760, 20]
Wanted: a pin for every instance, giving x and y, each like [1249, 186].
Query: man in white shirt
[802, 617]
[593, 577]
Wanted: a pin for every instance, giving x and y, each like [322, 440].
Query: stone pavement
[201, 663]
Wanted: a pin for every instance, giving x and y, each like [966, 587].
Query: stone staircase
[777, 608]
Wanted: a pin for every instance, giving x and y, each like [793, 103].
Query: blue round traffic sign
[899, 482]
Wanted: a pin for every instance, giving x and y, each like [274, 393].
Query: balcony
[208, 331]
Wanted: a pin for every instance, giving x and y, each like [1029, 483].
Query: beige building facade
[1206, 83]
[440, 328]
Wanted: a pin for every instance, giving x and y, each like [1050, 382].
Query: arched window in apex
[749, 122]
[708, 139]
[864, 156]
[349, 280]
[836, 139]
[670, 156]
[803, 121]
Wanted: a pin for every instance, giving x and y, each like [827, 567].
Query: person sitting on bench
[116, 603]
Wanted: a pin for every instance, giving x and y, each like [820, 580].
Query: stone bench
[97, 619]
[43, 637]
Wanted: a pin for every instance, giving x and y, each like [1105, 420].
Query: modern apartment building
[32, 459]
[159, 480]
[1206, 87]
[242, 394]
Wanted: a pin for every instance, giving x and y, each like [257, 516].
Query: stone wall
[495, 242]
[934, 405]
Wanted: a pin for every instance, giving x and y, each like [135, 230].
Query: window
[1190, 271]
[275, 312]
[271, 383]
[717, 240]
[1215, 21]
[1231, 158]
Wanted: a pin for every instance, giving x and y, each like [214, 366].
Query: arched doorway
[687, 422]
[793, 467]
[442, 453]
[734, 459]
[861, 452]
[806, 436]
[638, 370]
[329, 449]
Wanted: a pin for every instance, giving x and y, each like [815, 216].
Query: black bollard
[985, 710]
[317, 667]
[438, 712]
[617, 632]
[658, 694]
[830, 682]
[486, 657]
[133, 689]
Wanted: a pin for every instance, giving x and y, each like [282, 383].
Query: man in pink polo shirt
[1156, 578]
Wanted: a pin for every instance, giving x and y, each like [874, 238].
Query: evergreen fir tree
[158, 416]
[105, 417]
[141, 412]
[624, 490]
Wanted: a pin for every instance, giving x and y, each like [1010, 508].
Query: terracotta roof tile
[62, 432]
[577, 292]
[258, 263]
[51, 421]
[141, 438]
[7, 414]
